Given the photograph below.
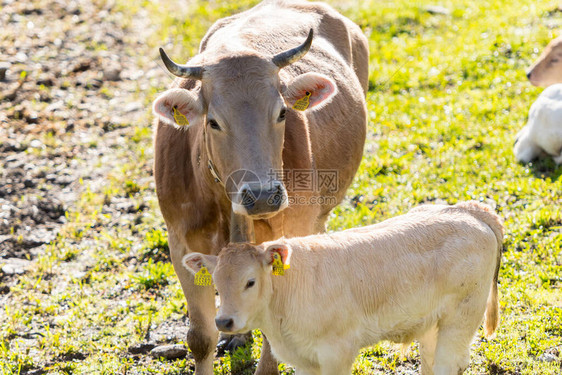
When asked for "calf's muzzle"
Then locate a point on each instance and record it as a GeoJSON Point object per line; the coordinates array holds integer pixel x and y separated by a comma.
{"type": "Point", "coordinates": [224, 324]}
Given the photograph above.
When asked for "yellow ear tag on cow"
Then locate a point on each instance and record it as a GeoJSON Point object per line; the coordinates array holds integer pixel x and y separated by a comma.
{"type": "Point", "coordinates": [203, 277]}
{"type": "Point", "coordinates": [278, 266]}
{"type": "Point", "coordinates": [302, 103]}
{"type": "Point", "coordinates": [180, 118]}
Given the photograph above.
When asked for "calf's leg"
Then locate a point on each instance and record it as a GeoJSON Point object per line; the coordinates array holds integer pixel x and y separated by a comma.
{"type": "Point", "coordinates": [202, 335]}
{"type": "Point", "coordinates": [428, 343]}
{"type": "Point", "coordinates": [456, 331]}
{"type": "Point", "coordinates": [452, 352]}
{"type": "Point", "coordinates": [336, 359]}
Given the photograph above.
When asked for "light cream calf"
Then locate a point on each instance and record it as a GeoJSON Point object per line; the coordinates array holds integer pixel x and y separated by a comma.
{"type": "Point", "coordinates": [543, 132]}
{"type": "Point", "coordinates": [428, 275]}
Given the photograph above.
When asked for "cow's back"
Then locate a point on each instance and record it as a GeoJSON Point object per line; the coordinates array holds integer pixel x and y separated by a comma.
{"type": "Point", "coordinates": [284, 24]}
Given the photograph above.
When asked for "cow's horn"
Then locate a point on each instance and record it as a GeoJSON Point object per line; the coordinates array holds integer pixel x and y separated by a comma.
{"type": "Point", "coordinates": [183, 71]}
{"type": "Point", "coordinates": [288, 57]}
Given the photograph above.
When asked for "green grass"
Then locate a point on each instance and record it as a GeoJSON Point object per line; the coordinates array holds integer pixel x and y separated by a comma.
{"type": "Point", "coordinates": [447, 95]}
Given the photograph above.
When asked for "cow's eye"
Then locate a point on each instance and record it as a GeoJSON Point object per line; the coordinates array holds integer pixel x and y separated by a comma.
{"type": "Point", "coordinates": [250, 283]}
{"type": "Point", "coordinates": [214, 125]}
{"type": "Point", "coordinates": [282, 115]}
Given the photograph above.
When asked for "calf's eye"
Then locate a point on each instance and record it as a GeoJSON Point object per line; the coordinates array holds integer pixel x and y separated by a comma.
{"type": "Point", "coordinates": [250, 283]}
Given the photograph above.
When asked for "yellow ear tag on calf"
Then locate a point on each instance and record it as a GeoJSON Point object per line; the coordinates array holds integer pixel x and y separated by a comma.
{"type": "Point", "coordinates": [302, 103]}
{"type": "Point", "coordinates": [278, 266]}
{"type": "Point", "coordinates": [180, 118]}
{"type": "Point", "coordinates": [203, 277]}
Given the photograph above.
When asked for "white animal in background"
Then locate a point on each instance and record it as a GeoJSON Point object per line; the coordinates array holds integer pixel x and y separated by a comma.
{"type": "Point", "coordinates": [543, 132]}
{"type": "Point", "coordinates": [428, 275]}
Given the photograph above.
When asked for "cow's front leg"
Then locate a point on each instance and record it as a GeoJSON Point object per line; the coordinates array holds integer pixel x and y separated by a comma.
{"type": "Point", "coordinates": [267, 364]}
{"type": "Point", "coordinates": [202, 335]}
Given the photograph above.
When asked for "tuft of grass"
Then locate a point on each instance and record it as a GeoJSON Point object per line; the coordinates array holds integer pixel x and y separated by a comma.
{"type": "Point", "coordinates": [156, 245]}
{"type": "Point", "coordinates": [547, 219]}
{"type": "Point", "coordinates": [154, 275]}
{"type": "Point", "coordinates": [131, 187]}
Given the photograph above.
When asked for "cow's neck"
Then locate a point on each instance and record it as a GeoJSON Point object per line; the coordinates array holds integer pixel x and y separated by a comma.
{"type": "Point", "coordinates": [217, 178]}
{"type": "Point", "coordinates": [211, 181]}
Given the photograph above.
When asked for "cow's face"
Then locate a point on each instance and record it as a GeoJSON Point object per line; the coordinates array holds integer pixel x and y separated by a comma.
{"type": "Point", "coordinates": [242, 275]}
{"type": "Point", "coordinates": [243, 106]}
{"type": "Point", "coordinates": [547, 70]}
{"type": "Point", "coordinates": [245, 121]}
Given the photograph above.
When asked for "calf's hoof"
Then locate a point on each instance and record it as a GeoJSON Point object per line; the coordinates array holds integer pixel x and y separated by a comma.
{"type": "Point", "coordinates": [229, 343]}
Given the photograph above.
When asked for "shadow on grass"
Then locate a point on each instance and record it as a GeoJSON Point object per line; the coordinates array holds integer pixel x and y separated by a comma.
{"type": "Point", "coordinates": [545, 167]}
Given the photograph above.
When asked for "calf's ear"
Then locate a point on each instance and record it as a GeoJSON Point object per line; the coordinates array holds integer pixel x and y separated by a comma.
{"type": "Point", "coordinates": [309, 90]}
{"type": "Point", "coordinates": [194, 261]}
{"type": "Point", "coordinates": [283, 250]}
{"type": "Point", "coordinates": [178, 107]}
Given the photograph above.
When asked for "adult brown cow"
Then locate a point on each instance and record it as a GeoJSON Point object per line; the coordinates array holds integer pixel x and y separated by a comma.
{"type": "Point", "coordinates": [231, 111]}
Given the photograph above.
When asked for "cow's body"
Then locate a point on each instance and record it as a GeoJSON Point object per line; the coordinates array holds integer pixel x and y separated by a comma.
{"type": "Point", "coordinates": [428, 275]}
{"type": "Point", "coordinates": [543, 132]}
{"type": "Point", "coordinates": [236, 49]}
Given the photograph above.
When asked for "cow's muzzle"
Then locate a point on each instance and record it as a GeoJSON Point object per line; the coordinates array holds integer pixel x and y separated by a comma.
{"type": "Point", "coordinates": [261, 201]}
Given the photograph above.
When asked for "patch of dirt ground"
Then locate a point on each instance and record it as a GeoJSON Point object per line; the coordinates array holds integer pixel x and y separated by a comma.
{"type": "Point", "coordinates": [69, 97]}
{"type": "Point", "coordinates": [74, 78]}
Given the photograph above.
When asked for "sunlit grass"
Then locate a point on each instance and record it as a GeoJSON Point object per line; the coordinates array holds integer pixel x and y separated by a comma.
{"type": "Point", "coordinates": [447, 95]}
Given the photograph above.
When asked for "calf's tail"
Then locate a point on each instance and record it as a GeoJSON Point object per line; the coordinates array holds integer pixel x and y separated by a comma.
{"type": "Point", "coordinates": [485, 214]}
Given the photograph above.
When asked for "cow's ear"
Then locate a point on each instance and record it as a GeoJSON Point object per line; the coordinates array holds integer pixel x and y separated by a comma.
{"type": "Point", "coordinates": [283, 250]}
{"type": "Point", "coordinates": [309, 90]}
{"type": "Point", "coordinates": [194, 261]}
{"type": "Point", "coordinates": [178, 107]}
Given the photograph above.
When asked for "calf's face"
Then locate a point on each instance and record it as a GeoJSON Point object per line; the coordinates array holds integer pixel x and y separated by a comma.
{"type": "Point", "coordinates": [242, 276]}
{"type": "Point", "coordinates": [547, 70]}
